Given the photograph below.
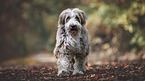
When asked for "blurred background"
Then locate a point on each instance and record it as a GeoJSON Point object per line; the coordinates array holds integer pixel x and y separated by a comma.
{"type": "Point", "coordinates": [28, 29]}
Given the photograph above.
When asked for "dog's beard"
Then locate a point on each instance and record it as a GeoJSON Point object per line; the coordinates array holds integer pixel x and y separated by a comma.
{"type": "Point", "coordinates": [73, 30]}
{"type": "Point", "coordinates": [73, 38]}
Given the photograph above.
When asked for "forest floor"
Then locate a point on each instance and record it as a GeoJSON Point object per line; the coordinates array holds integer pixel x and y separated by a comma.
{"type": "Point", "coordinates": [47, 70]}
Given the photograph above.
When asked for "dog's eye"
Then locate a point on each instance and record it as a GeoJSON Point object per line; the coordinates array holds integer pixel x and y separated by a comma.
{"type": "Point", "coordinates": [77, 18]}
{"type": "Point", "coordinates": [68, 18]}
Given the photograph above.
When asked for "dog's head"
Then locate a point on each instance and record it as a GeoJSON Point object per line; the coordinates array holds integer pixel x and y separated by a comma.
{"type": "Point", "coordinates": [72, 20]}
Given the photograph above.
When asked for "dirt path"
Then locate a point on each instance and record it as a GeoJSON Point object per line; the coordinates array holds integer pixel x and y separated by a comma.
{"type": "Point", "coordinates": [44, 68]}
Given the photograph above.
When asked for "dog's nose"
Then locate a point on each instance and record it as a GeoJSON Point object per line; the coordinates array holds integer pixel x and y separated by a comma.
{"type": "Point", "coordinates": [73, 26]}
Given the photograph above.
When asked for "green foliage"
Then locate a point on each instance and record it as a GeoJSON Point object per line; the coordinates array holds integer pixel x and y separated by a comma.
{"type": "Point", "coordinates": [30, 25]}
{"type": "Point", "coordinates": [127, 15]}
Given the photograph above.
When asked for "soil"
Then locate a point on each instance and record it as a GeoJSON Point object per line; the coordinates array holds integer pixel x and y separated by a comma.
{"type": "Point", "coordinates": [44, 72]}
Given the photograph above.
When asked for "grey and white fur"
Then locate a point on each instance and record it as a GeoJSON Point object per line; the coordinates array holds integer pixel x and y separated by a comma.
{"type": "Point", "coordinates": [72, 42]}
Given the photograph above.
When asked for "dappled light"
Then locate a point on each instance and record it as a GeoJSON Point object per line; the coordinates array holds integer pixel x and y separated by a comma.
{"type": "Point", "coordinates": [28, 31]}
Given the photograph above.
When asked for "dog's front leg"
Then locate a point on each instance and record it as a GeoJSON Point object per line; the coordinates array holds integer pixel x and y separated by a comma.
{"type": "Point", "coordinates": [79, 65]}
{"type": "Point", "coordinates": [63, 64]}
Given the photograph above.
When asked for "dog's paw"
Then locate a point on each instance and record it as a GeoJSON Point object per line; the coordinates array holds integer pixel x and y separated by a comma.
{"type": "Point", "coordinates": [63, 73]}
{"type": "Point", "coordinates": [75, 72]}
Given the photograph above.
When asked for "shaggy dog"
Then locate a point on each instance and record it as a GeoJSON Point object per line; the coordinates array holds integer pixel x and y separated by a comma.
{"type": "Point", "coordinates": [72, 42]}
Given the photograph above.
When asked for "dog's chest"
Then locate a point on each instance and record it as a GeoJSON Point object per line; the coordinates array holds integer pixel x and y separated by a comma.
{"type": "Point", "coordinates": [72, 45]}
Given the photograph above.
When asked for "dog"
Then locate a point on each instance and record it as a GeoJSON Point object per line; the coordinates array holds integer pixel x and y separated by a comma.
{"type": "Point", "coordinates": [72, 42]}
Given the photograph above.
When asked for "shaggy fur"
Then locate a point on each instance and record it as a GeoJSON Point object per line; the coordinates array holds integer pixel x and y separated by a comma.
{"type": "Point", "coordinates": [72, 42]}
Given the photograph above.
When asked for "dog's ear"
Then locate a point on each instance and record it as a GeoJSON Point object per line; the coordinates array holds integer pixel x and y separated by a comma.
{"type": "Point", "coordinates": [82, 18]}
{"type": "Point", "coordinates": [63, 16]}
{"type": "Point", "coordinates": [61, 20]}
{"type": "Point", "coordinates": [81, 15]}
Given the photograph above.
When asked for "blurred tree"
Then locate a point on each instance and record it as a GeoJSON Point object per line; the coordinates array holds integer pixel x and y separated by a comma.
{"type": "Point", "coordinates": [125, 18]}
{"type": "Point", "coordinates": [30, 25]}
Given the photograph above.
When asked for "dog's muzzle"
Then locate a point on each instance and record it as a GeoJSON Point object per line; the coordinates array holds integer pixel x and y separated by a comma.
{"type": "Point", "coordinates": [73, 29]}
